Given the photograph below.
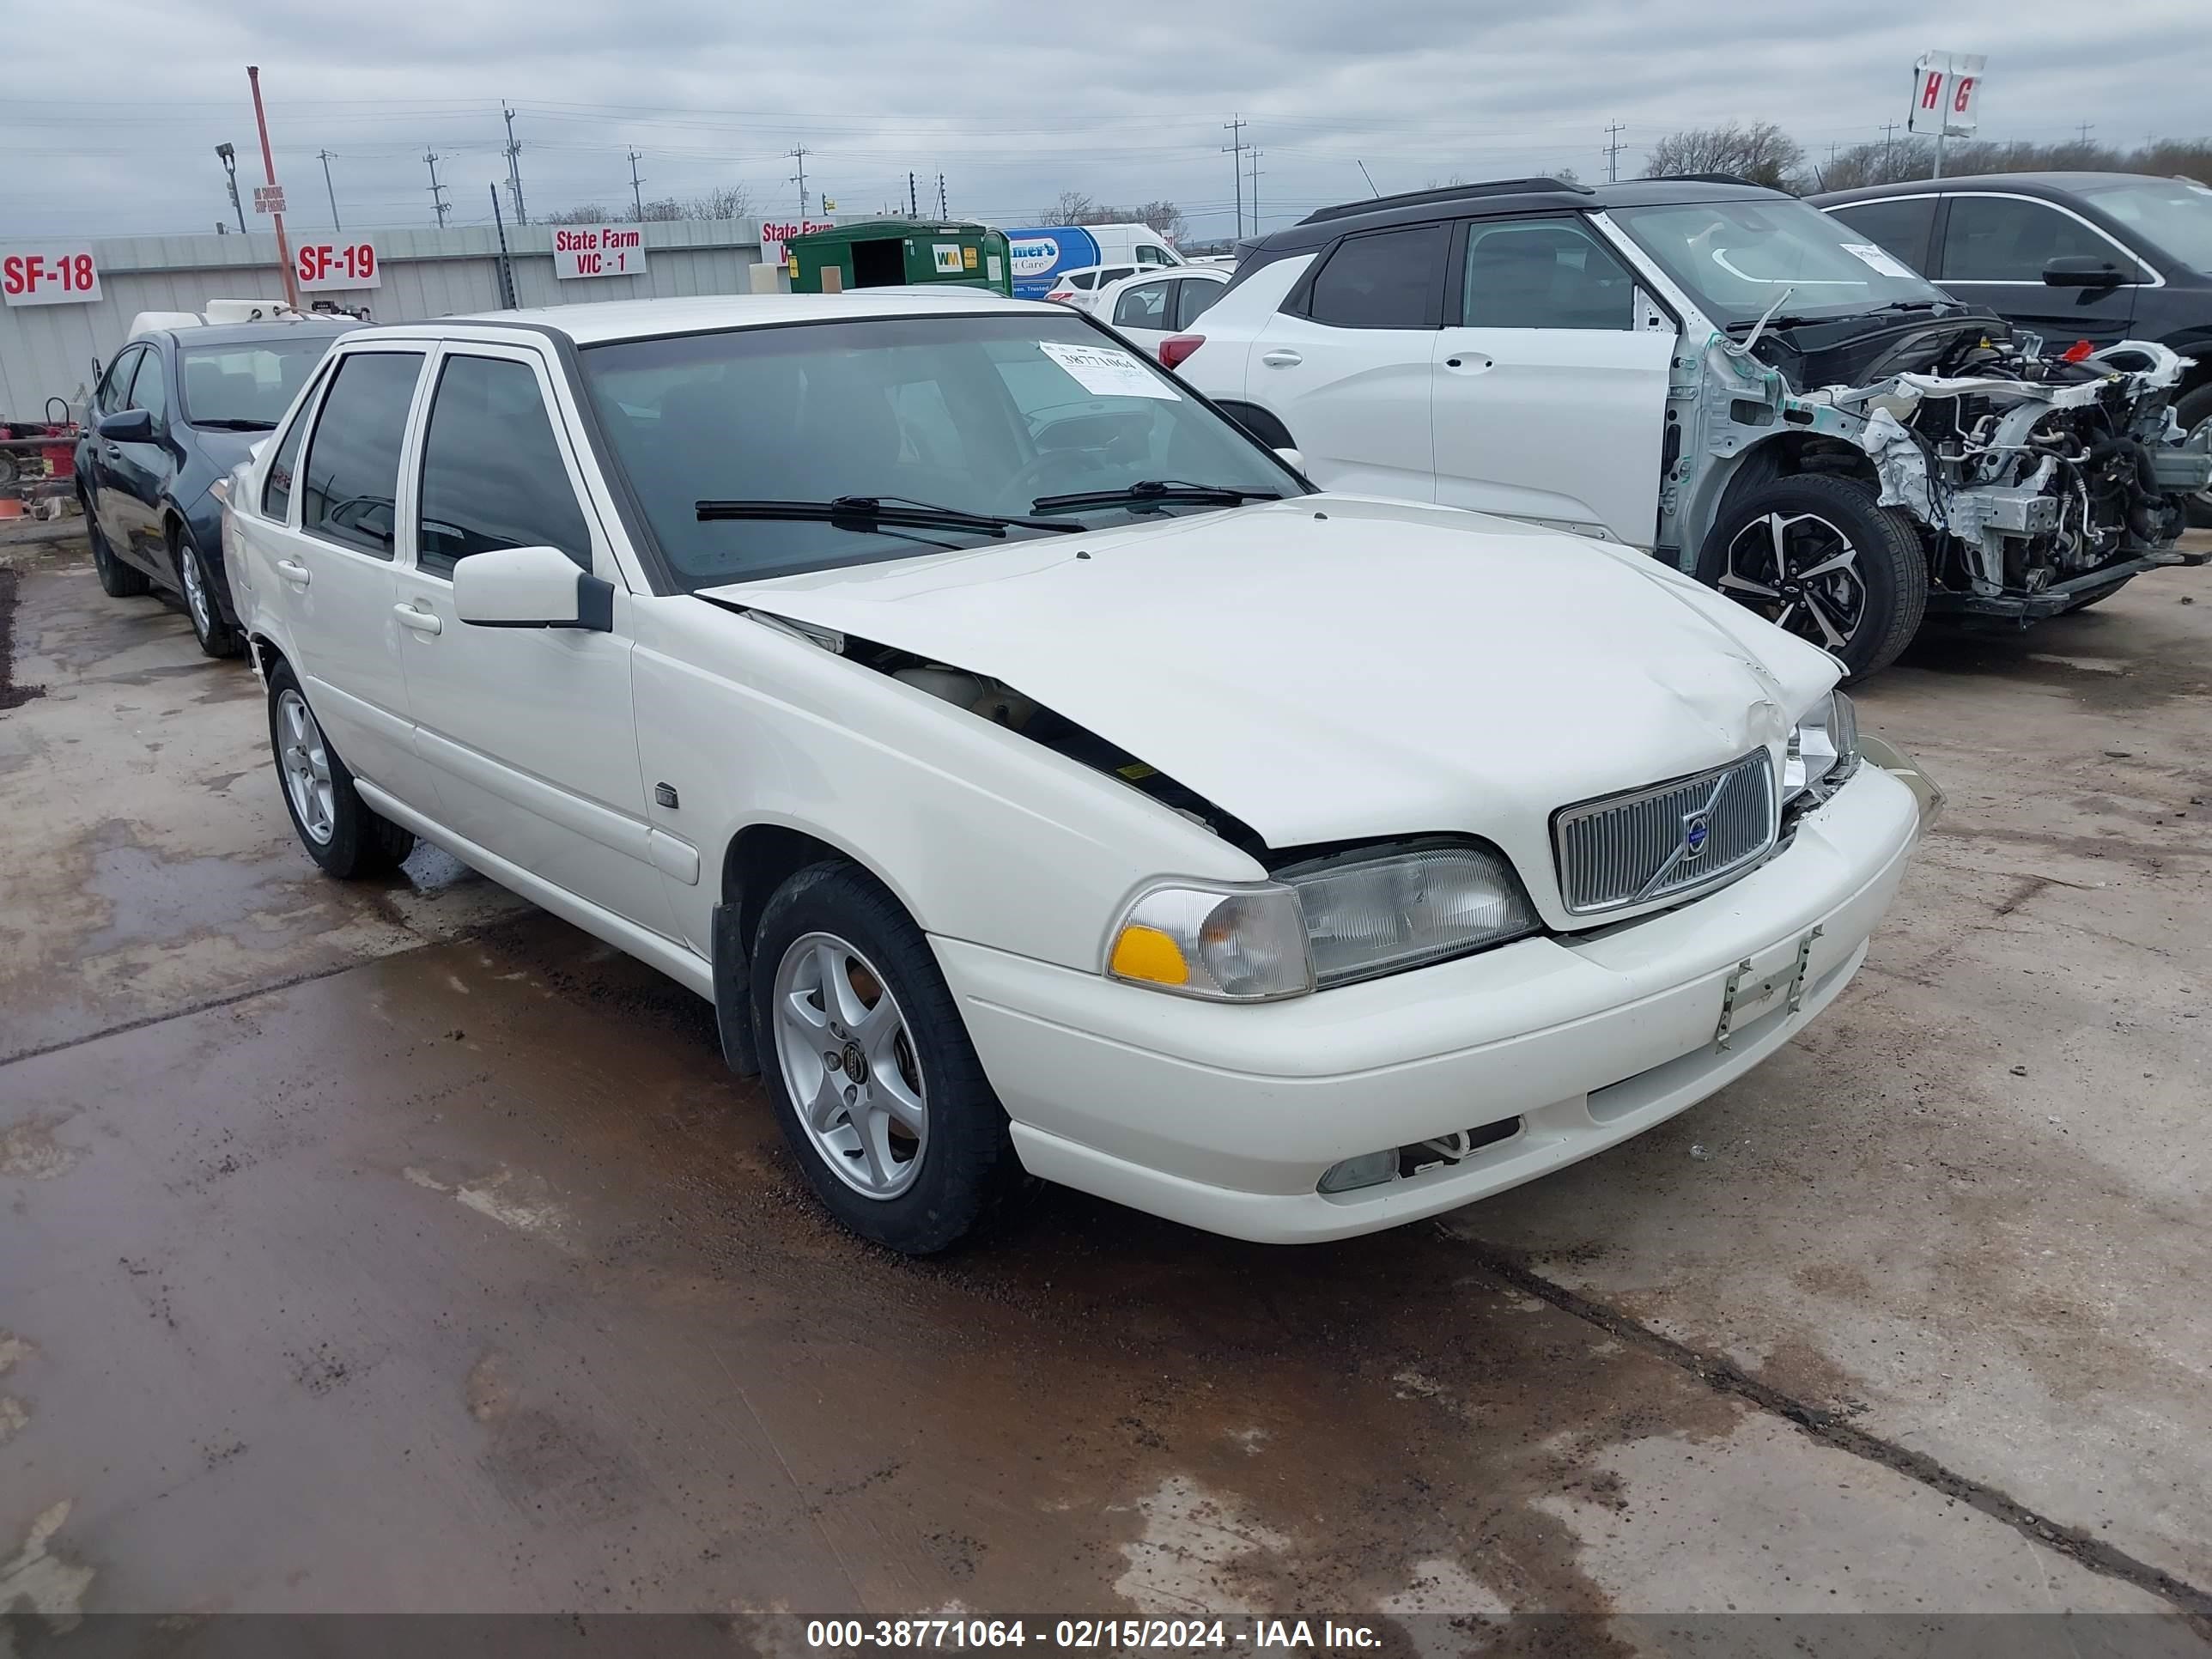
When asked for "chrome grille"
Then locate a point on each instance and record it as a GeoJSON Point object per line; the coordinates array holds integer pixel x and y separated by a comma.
{"type": "Point", "coordinates": [1632, 848]}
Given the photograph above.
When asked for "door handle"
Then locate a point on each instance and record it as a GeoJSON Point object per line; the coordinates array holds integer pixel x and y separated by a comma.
{"type": "Point", "coordinates": [1281, 357]}
{"type": "Point", "coordinates": [292, 571]}
{"type": "Point", "coordinates": [1468, 362]}
{"type": "Point", "coordinates": [112, 452]}
{"type": "Point", "coordinates": [423, 621]}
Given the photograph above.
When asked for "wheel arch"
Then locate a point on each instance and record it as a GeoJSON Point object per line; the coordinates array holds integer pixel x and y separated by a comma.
{"type": "Point", "coordinates": [1785, 454]}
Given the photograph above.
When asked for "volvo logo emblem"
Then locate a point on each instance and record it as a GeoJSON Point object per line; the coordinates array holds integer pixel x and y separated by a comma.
{"type": "Point", "coordinates": [1696, 830]}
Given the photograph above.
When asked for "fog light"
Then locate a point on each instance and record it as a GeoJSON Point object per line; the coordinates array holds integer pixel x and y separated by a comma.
{"type": "Point", "coordinates": [1368, 1169]}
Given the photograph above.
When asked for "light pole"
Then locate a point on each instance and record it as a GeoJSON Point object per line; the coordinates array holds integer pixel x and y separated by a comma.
{"type": "Point", "coordinates": [229, 159]}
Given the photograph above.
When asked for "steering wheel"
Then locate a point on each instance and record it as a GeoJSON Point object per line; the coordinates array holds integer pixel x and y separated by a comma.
{"type": "Point", "coordinates": [1066, 465]}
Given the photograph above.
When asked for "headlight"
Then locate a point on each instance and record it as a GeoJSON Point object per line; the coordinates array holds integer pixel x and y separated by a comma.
{"type": "Point", "coordinates": [1233, 945]}
{"type": "Point", "coordinates": [1383, 909]}
{"type": "Point", "coordinates": [1823, 749]}
{"type": "Point", "coordinates": [1328, 921]}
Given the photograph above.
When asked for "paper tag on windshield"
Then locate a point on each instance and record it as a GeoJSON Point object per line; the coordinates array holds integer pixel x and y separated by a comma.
{"type": "Point", "coordinates": [1880, 258]}
{"type": "Point", "coordinates": [1106, 371]}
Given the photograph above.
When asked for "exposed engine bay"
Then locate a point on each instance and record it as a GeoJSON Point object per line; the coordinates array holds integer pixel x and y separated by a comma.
{"type": "Point", "coordinates": [2033, 480]}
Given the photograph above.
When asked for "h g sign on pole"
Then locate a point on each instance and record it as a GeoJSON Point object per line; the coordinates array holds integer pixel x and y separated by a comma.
{"type": "Point", "coordinates": [1945, 96]}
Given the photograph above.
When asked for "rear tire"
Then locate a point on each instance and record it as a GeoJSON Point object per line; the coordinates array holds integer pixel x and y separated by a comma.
{"type": "Point", "coordinates": [117, 580]}
{"type": "Point", "coordinates": [1820, 556]}
{"type": "Point", "coordinates": [2193, 411]}
{"type": "Point", "coordinates": [333, 823]}
{"type": "Point", "coordinates": [873, 1078]}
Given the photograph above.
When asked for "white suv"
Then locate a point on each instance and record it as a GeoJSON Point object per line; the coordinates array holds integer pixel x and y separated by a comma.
{"type": "Point", "coordinates": [1034, 772]}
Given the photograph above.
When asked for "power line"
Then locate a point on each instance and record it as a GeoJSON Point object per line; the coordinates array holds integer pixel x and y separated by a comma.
{"type": "Point", "coordinates": [1255, 154]}
{"type": "Point", "coordinates": [1235, 128]}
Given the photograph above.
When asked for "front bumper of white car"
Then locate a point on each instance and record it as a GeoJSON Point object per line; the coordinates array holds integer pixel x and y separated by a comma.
{"type": "Point", "coordinates": [1228, 1117]}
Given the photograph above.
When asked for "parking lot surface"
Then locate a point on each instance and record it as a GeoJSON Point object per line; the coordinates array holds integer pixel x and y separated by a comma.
{"type": "Point", "coordinates": [400, 1246]}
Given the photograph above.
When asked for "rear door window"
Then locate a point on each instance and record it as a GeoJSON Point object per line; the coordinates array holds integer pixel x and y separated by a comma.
{"type": "Point", "coordinates": [1384, 279]}
{"type": "Point", "coordinates": [351, 495]}
{"type": "Point", "coordinates": [149, 387]}
{"type": "Point", "coordinates": [493, 473]}
{"type": "Point", "coordinates": [1144, 305]}
{"type": "Point", "coordinates": [117, 385]}
{"type": "Point", "coordinates": [1193, 295]}
{"type": "Point", "coordinates": [277, 487]}
{"type": "Point", "coordinates": [1899, 225]}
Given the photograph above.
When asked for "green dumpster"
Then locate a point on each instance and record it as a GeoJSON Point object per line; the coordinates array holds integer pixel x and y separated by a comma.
{"type": "Point", "coordinates": [899, 253]}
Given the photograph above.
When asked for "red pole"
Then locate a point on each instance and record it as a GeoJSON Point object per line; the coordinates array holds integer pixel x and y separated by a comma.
{"type": "Point", "coordinates": [269, 166]}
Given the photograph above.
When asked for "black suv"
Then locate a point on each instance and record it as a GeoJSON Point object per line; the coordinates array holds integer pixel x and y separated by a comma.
{"type": "Point", "coordinates": [2069, 256]}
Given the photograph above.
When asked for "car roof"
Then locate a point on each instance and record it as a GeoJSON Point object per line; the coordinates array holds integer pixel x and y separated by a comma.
{"type": "Point", "coordinates": [1505, 196]}
{"type": "Point", "coordinates": [223, 334]}
{"type": "Point", "coordinates": [1154, 273]}
{"type": "Point", "coordinates": [600, 320]}
{"type": "Point", "coordinates": [2024, 184]}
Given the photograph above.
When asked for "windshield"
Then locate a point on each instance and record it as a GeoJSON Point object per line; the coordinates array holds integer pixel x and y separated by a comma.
{"type": "Point", "coordinates": [247, 387]}
{"type": "Point", "coordinates": [1738, 258]}
{"type": "Point", "coordinates": [985, 415]}
{"type": "Point", "coordinates": [2176, 214]}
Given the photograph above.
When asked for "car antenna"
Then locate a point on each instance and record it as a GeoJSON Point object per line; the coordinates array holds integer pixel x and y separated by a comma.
{"type": "Point", "coordinates": [1371, 190]}
{"type": "Point", "coordinates": [1759, 327]}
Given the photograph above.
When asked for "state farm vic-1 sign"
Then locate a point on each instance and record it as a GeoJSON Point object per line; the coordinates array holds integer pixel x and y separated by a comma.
{"type": "Point", "coordinates": [598, 251]}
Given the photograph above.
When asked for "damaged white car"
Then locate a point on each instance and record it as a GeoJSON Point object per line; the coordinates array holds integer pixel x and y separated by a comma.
{"type": "Point", "coordinates": [1716, 373]}
{"type": "Point", "coordinates": [1035, 773]}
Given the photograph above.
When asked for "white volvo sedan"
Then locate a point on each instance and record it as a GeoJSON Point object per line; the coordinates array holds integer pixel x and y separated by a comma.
{"type": "Point", "coordinates": [1037, 774]}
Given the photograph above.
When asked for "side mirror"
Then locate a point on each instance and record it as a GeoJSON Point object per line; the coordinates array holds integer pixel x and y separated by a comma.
{"type": "Point", "coordinates": [1292, 459]}
{"type": "Point", "coordinates": [2087, 270]}
{"type": "Point", "coordinates": [127, 426]}
{"type": "Point", "coordinates": [530, 587]}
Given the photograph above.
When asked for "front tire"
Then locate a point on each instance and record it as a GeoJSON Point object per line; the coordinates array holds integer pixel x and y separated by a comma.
{"type": "Point", "coordinates": [334, 824]}
{"type": "Point", "coordinates": [1818, 555]}
{"type": "Point", "coordinates": [217, 638]}
{"type": "Point", "coordinates": [872, 1073]}
{"type": "Point", "coordinates": [2195, 411]}
{"type": "Point", "coordinates": [117, 580]}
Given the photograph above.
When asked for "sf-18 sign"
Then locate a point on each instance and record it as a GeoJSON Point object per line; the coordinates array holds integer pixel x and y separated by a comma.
{"type": "Point", "coordinates": [51, 274]}
{"type": "Point", "coordinates": [1946, 86]}
{"type": "Point", "coordinates": [337, 264]}
{"type": "Point", "coordinates": [598, 251]}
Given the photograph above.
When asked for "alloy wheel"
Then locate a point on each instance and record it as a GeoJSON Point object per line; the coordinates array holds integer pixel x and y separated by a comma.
{"type": "Point", "coordinates": [305, 760]}
{"type": "Point", "coordinates": [850, 1066]}
{"type": "Point", "coordinates": [196, 593]}
{"type": "Point", "coordinates": [1800, 572]}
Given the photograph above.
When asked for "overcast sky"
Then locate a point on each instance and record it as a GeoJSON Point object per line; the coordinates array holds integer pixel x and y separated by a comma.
{"type": "Point", "coordinates": [110, 118]}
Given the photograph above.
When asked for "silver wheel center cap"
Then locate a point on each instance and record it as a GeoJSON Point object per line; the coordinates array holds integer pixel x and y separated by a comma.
{"type": "Point", "coordinates": [855, 1063]}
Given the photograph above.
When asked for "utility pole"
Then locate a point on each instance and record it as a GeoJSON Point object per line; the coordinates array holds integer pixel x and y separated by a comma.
{"type": "Point", "coordinates": [2086, 128]}
{"type": "Point", "coordinates": [798, 154]}
{"type": "Point", "coordinates": [330, 190]}
{"type": "Point", "coordinates": [636, 196]}
{"type": "Point", "coordinates": [1255, 154]}
{"type": "Point", "coordinates": [943, 212]}
{"type": "Point", "coordinates": [437, 190]}
{"type": "Point", "coordinates": [1888, 149]}
{"type": "Point", "coordinates": [269, 168]}
{"type": "Point", "coordinates": [912, 207]}
{"type": "Point", "coordinates": [1612, 154]}
{"type": "Point", "coordinates": [1235, 128]}
{"type": "Point", "coordinates": [513, 166]}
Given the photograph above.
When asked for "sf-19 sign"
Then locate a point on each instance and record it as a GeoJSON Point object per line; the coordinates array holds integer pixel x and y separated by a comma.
{"type": "Point", "coordinates": [337, 264]}
{"type": "Point", "coordinates": [598, 251]}
{"type": "Point", "coordinates": [57, 274]}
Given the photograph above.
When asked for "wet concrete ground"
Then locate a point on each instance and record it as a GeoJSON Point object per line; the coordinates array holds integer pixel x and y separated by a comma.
{"type": "Point", "coordinates": [403, 1247]}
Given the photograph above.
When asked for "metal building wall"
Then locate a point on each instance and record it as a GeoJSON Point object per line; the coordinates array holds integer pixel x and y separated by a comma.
{"type": "Point", "coordinates": [49, 350]}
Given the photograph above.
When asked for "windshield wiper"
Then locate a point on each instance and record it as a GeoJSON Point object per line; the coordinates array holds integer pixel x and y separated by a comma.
{"type": "Point", "coordinates": [865, 511]}
{"type": "Point", "coordinates": [239, 426]}
{"type": "Point", "coordinates": [1154, 492]}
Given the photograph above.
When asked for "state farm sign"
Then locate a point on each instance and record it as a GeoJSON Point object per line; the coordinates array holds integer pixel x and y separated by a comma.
{"type": "Point", "coordinates": [598, 251]}
{"type": "Point", "coordinates": [774, 235]}
{"type": "Point", "coordinates": [337, 264]}
{"type": "Point", "coordinates": [49, 274]}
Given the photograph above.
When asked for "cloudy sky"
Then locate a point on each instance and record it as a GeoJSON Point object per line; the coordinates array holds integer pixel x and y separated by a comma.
{"type": "Point", "coordinates": [110, 121]}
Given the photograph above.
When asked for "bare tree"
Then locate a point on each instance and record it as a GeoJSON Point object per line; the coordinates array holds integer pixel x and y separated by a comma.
{"type": "Point", "coordinates": [1072, 207]}
{"type": "Point", "coordinates": [591, 213]}
{"type": "Point", "coordinates": [723, 201]}
{"type": "Point", "coordinates": [1894, 161]}
{"type": "Point", "coordinates": [1760, 153]}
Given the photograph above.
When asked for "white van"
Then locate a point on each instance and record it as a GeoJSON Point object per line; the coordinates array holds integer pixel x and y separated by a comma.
{"type": "Point", "coordinates": [1042, 255]}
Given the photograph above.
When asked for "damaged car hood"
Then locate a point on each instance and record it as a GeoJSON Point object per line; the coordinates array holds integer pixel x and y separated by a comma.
{"type": "Point", "coordinates": [1330, 667]}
